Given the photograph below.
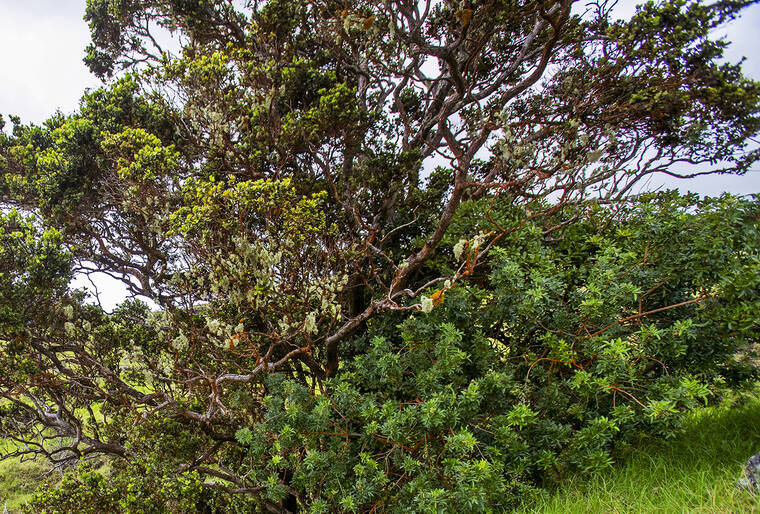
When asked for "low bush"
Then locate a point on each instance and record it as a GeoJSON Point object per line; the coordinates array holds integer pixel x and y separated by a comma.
{"type": "Point", "coordinates": [532, 370]}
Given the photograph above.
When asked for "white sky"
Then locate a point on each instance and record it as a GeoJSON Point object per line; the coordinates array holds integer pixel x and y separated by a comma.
{"type": "Point", "coordinates": [41, 49]}
{"type": "Point", "coordinates": [42, 45]}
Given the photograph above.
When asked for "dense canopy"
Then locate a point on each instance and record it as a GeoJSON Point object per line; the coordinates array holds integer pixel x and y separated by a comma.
{"type": "Point", "coordinates": [390, 251]}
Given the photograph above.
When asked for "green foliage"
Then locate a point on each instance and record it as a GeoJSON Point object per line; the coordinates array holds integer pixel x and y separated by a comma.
{"type": "Point", "coordinates": [89, 490]}
{"type": "Point", "coordinates": [332, 326]}
{"type": "Point", "coordinates": [464, 408]}
{"type": "Point", "coordinates": [34, 273]}
{"type": "Point", "coordinates": [514, 382]}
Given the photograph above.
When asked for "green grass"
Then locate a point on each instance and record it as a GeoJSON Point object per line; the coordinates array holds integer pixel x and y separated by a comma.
{"type": "Point", "coordinates": [694, 472]}
{"type": "Point", "coordinates": [19, 480]}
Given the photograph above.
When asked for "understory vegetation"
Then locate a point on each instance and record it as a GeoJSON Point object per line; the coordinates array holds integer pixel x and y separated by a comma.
{"type": "Point", "coordinates": [695, 471]}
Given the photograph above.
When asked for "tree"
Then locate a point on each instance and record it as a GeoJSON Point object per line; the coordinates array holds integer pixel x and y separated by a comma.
{"type": "Point", "coordinates": [381, 239]}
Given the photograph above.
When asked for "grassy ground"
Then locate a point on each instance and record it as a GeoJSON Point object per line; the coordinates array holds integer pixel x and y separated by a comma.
{"type": "Point", "coordinates": [695, 472]}
{"type": "Point", "coordinates": [19, 481]}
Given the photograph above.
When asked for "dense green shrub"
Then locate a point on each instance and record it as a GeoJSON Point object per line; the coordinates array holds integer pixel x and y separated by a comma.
{"type": "Point", "coordinates": [532, 369]}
